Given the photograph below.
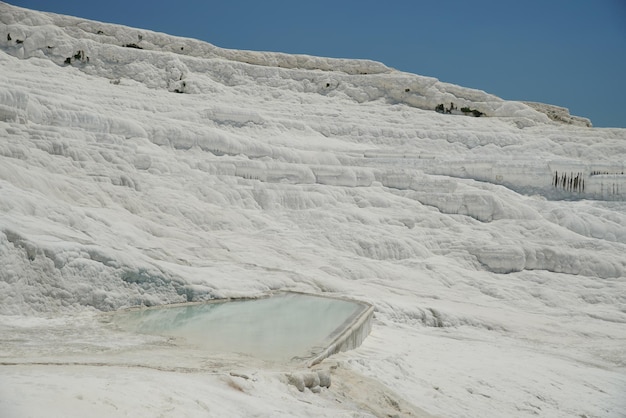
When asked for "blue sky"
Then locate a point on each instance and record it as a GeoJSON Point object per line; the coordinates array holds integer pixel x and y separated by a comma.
{"type": "Point", "coordinates": [571, 53]}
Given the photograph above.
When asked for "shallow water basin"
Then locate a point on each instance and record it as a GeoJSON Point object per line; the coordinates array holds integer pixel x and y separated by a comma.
{"type": "Point", "coordinates": [284, 327]}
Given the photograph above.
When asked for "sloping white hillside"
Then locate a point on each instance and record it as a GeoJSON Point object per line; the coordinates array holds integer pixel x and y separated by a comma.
{"type": "Point", "coordinates": [137, 168]}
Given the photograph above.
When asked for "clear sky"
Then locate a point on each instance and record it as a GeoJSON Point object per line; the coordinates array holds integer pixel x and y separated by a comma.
{"type": "Point", "coordinates": [570, 53]}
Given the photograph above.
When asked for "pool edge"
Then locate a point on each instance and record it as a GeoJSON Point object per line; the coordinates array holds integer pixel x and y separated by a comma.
{"type": "Point", "coordinates": [352, 336]}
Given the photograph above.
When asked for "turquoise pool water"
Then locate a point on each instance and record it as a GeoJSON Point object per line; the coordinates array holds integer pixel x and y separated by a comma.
{"type": "Point", "coordinates": [282, 327]}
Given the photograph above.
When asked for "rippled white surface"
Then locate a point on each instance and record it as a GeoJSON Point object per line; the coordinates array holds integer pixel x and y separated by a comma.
{"type": "Point", "coordinates": [499, 284]}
